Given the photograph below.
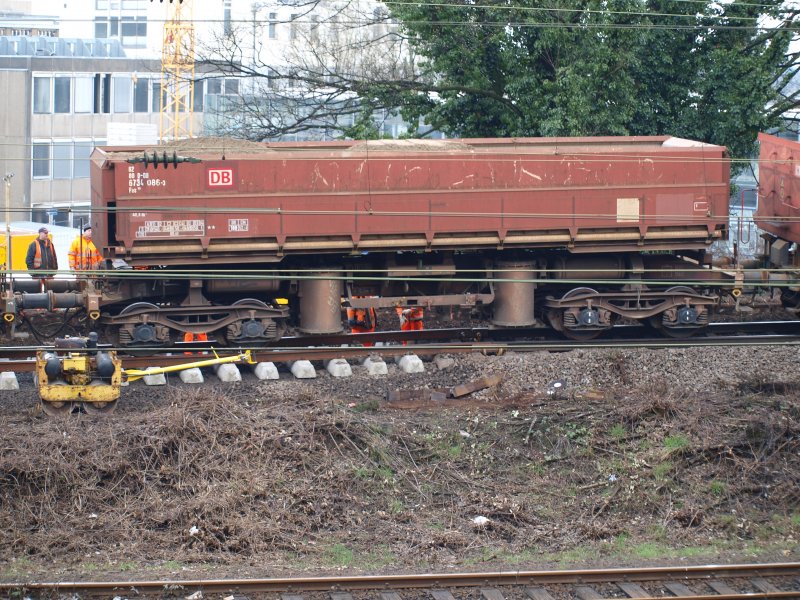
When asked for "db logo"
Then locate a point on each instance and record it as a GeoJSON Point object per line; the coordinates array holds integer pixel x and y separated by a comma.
{"type": "Point", "coordinates": [220, 177]}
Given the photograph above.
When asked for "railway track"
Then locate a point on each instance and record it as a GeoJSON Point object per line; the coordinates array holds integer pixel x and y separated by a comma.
{"type": "Point", "coordinates": [432, 341]}
{"type": "Point", "coordinates": [777, 580]}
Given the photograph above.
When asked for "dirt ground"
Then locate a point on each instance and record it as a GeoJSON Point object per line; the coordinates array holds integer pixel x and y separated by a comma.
{"type": "Point", "coordinates": [638, 457]}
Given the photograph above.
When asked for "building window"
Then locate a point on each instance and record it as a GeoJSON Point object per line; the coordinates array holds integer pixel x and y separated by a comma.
{"type": "Point", "coordinates": [80, 166]}
{"type": "Point", "coordinates": [293, 28]}
{"type": "Point", "coordinates": [214, 86]}
{"type": "Point", "coordinates": [62, 160]}
{"type": "Point", "coordinates": [133, 31]}
{"type": "Point", "coordinates": [231, 87]}
{"type": "Point", "coordinates": [199, 87]}
{"type": "Point", "coordinates": [156, 96]}
{"type": "Point", "coordinates": [100, 29]}
{"type": "Point", "coordinates": [84, 94]}
{"type": "Point", "coordinates": [141, 89]}
{"type": "Point", "coordinates": [61, 94]}
{"type": "Point", "coordinates": [41, 161]}
{"type": "Point", "coordinates": [102, 93]}
{"type": "Point", "coordinates": [41, 95]}
{"type": "Point", "coordinates": [101, 4]}
{"type": "Point", "coordinates": [273, 26]}
{"type": "Point", "coordinates": [131, 4]}
{"type": "Point", "coordinates": [220, 86]}
{"type": "Point", "coordinates": [226, 17]}
{"type": "Point", "coordinates": [122, 94]}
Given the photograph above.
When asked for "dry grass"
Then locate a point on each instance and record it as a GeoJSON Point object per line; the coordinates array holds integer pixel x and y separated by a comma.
{"type": "Point", "coordinates": [208, 477]}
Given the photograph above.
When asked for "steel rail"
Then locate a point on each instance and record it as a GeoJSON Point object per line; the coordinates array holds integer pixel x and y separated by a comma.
{"type": "Point", "coordinates": [330, 347]}
{"type": "Point", "coordinates": [467, 334]}
{"type": "Point", "coordinates": [432, 580]}
{"type": "Point", "coordinates": [355, 352]}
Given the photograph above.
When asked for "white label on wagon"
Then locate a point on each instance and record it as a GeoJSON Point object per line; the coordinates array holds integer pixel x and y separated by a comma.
{"type": "Point", "coordinates": [178, 227]}
{"type": "Point", "coordinates": [238, 225]}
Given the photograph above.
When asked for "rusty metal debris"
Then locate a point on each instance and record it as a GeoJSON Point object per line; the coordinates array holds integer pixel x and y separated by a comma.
{"type": "Point", "coordinates": [439, 394]}
{"type": "Point", "coordinates": [473, 386]}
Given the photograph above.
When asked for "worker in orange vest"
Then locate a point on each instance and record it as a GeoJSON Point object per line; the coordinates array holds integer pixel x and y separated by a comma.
{"type": "Point", "coordinates": [194, 337]}
{"type": "Point", "coordinates": [410, 318]}
{"type": "Point", "coordinates": [83, 255]}
{"type": "Point", "coordinates": [41, 259]}
{"type": "Point", "coordinates": [362, 320]}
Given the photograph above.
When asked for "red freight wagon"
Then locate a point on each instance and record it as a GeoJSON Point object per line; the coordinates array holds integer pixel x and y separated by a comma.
{"type": "Point", "coordinates": [778, 212]}
{"type": "Point", "coordinates": [585, 194]}
{"type": "Point", "coordinates": [779, 187]}
{"type": "Point", "coordinates": [580, 232]}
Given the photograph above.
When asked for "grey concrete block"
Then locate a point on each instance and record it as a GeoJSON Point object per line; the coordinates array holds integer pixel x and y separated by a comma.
{"type": "Point", "coordinates": [228, 373]}
{"type": "Point", "coordinates": [375, 366]}
{"type": "Point", "coordinates": [303, 369]}
{"type": "Point", "coordinates": [194, 375]}
{"type": "Point", "coordinates": [8, 381]}
{"type": "Point", "coordinates": [410, 363]}
{"type": "Point", "coordinates": [339, 367]}
{"type": "Point", "coordinates": [159, 379]}
{"type": "Point", "coordinates": [266, 370]}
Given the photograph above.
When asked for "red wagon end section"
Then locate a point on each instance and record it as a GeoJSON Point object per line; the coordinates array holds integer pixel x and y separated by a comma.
{"type": "Point", "coordinates": [779, 188]}
{"type": "Point", "coordinates": [613, 194]}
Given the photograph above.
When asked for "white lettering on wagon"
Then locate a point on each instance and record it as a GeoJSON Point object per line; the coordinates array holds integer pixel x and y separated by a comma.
{"type": "Point", "coordinates": [238, 225]}
{"type": "Point", "coordinates": [138, 181]}
{"type": "Point", "coordinates": [171, 228]}
{"type": "Point", "coordinates": [220, 178]}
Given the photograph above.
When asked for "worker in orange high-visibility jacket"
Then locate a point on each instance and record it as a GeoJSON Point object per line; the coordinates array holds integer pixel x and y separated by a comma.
{"type": "Point", "coordinates": [410, 318]}
{"type": "Point", "coordinates": [83, 255]}
{"type": "Point", "coordinates": [361, 320]}
{"type": "Point", "coordinates": [41, 259]}
{"type": "Point", "coordinates": [194, 337]}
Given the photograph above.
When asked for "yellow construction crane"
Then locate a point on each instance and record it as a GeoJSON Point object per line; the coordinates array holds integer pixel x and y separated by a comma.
{"type": "Point", "coordinates": [177, 72]}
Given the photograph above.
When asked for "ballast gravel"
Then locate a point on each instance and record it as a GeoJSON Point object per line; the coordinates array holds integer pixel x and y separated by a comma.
{"type": "Point", "coordinates": [580, 371]}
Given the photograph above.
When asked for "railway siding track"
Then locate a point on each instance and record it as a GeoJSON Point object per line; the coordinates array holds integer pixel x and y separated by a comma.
{"type": "Point", "coordinates": [776, 580]}
{"type": "Point", "coordinates": [323, 348]}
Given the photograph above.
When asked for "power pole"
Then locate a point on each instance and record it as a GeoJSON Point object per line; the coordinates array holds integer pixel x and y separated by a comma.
{"type": "Point", "coordinates": [7, 187]}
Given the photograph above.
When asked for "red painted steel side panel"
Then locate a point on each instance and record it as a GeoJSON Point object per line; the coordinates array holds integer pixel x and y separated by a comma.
{"type": "Point", "coordinates": [779, 187]}
{"type": "Point", "coordinates": [340, 191]}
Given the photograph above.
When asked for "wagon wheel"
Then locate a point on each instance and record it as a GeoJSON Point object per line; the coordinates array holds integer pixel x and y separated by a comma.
{"type": "Point", "coordinates": [99, 408]}
{"type": "Point", "coordinates": [146, 331]}
{"type": "Point", "coordinates": [258, 328]}
{"type": "Point", "coordinates": [677, 331]}
{"type": "Point", "coordinates": [57, 409]}
{"type": "Point", "coordinates": [138, 306]}
{"type": "Point", "coordinates": [52, 408]}
{"type": "Point", "coordinates": [558, 317]}
{"type": "Point", "coordinates": [252, 302]}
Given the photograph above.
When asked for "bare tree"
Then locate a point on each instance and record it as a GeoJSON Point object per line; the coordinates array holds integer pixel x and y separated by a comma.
{"type": "Point", "coordinates": [332, 70]}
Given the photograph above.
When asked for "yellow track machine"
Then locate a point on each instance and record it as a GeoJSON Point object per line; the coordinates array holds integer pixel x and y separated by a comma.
{"type": "Point", "coordinates": [79, 375]}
